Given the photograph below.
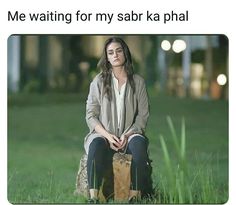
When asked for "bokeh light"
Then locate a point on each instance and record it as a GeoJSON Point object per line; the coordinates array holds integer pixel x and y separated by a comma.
{"type": "Point", "coordinates": [165, 45]}
{"type": "Point", "coordinates": [221, 79]}
{"type": "Point", "coordinates": [178, 46]}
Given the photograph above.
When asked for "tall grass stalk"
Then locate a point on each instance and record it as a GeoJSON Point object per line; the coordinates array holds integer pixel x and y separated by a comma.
{"type": "Point", "coordinates": [177, 174]}
{"type": "Point", "coordinates": [180, 184]}
{"type": "Point", "coordinates": [169, 168]}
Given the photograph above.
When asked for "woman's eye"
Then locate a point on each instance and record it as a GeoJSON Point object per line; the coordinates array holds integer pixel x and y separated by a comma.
{"type": "Point", "coordinates": [110, 53]}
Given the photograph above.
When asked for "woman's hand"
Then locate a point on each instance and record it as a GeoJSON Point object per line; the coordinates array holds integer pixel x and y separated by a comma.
{"type": "Point", "coordinates": [123, 141]}
{"type": "Point", "coordinates": [114, 141]}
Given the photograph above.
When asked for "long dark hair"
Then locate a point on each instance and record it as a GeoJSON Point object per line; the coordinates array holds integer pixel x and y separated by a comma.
{"type": "Point", "coordinates": [106, 67]}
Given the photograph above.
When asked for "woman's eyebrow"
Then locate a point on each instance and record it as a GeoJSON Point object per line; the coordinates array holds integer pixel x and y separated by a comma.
{"type": "Point", "coordinates": [114, 49]}
{"type": "Point", "coordinates": [118, 48]}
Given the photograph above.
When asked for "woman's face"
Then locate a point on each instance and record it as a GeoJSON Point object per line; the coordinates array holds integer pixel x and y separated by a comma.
{"type": "Point", "coordinates": [115, 54]}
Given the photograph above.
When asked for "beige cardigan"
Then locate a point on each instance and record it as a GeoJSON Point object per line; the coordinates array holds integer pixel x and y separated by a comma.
{"type": "Point", "coordinates": [99, 110]}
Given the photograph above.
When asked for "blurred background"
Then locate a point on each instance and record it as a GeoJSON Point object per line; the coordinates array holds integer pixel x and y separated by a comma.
{"type": "Point", "coordinates": [193, 66]}
{"type": "Point", "coordinates": [48, 81]}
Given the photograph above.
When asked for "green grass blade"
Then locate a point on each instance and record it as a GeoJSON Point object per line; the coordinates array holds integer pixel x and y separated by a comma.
{"type": "Point", "coordinates": [173, 134]}
{"type": "Point", "coordinates": [183, 140]}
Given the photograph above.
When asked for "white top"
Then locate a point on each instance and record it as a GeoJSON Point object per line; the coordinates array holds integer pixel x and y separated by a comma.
{"type": "Point", "coordinates": [119, 94]}
{"type": "Point", "coordinates": [119, 97]}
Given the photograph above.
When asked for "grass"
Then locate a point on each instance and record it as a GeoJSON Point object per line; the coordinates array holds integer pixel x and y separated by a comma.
{"type": "Point", "coordinates": [181, 184]}
{"type": "Point", "coordinates": [45, 143]}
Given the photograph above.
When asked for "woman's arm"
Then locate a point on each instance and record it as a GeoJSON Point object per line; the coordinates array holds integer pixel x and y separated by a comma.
{"type": "Point", "coordinates": [141, 118]}
{"type": "Point", "coordinates": [92, 114]}
{"type": "Point", "coordinates": [93, 105]}
{"type": "Point", "coordinates": [142, 115]}
{"type": "Point", "coordinates": [113, 140]}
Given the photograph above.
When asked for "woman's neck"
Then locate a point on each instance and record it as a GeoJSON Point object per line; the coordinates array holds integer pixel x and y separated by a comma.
{"type": "Point", "coordinates": [119, 72]}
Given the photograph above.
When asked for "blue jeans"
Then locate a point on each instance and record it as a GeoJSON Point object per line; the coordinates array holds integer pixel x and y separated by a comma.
{"type": "Point", "coordinates": [100, 154]}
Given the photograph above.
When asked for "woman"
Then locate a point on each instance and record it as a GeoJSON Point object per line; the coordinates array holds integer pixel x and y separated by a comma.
{"type": "Point", "coordinates": [117, 111]}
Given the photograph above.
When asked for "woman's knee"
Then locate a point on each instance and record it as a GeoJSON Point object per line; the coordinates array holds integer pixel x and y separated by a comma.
{"type": "Point", "coordinates": [98, 144]}
{"type": "Point", "coordinates": [138, 148]}
{"type": "Point", "coordinates": [137, 143]}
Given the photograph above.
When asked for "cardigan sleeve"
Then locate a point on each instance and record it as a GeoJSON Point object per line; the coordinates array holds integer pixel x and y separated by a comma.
{"type": "Point", "coordinates": [141, 118]}
{"type": "Point", "coordinates": [93, 105]}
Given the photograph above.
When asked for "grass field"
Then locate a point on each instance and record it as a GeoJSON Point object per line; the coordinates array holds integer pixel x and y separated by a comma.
{"type": "Point", "coordinates": [45, 143]}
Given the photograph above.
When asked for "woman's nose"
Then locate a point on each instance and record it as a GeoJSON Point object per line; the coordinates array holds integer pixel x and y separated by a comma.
{"type": "Point", "coordinates": [115, 54]}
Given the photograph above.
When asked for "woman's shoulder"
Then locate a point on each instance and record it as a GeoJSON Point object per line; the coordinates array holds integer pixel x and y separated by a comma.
{"type": "Point", "coordinates": [138, 78]}
{"type": "Point", "coordinates": [97, 79]}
